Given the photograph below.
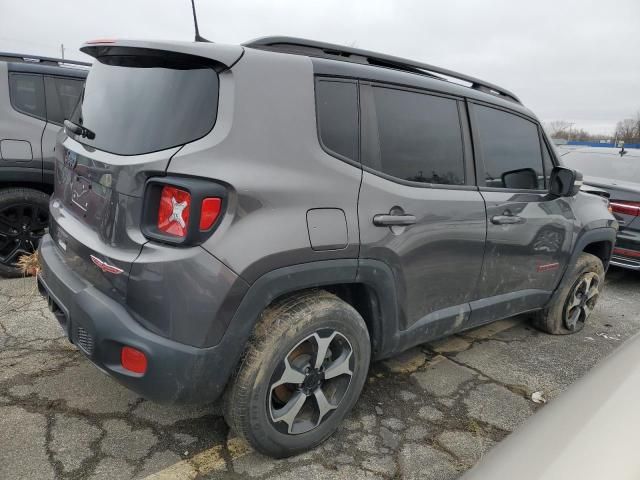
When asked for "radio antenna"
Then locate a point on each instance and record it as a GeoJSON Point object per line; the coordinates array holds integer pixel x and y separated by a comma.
{"type": "Point", "coordinates": [195, 23]}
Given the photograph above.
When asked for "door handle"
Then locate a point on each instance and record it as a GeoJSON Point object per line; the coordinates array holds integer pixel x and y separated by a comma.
{"type": "Point", "coordinates": [387, 220]}
{"type": "Point", "coordinates": [506, 219]}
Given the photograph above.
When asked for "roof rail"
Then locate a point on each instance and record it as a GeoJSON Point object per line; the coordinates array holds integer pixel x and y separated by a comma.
{"type": "Point", "coordinates": [43, 60]}
{"type": "Point", "coordinates": [313, 48]}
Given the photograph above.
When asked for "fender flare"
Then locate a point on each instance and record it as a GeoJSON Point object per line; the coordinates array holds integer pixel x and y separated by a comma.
{"type": "Point", "coordinates": [374, 274]}
{"type": "Point", "coordinates": [603, 234]}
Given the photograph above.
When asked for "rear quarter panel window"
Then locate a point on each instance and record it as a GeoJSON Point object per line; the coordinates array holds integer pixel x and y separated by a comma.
{"type": "Point", "coordinates": [62, 96]}
{"type": "Point", "coordinates": [27, 94]}
{"type": "Point", "coordinates": [337, 116]}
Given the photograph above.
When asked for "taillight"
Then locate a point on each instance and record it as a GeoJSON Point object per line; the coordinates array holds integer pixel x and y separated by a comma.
{"type": "Point", "coordinates": [209, 212]}
{"type": "Point", "coordinates": [174, 211]}
{"type": "Point", "coordinates": [626, 208]}
{"type": "Point", "coordinates": [182, 211]}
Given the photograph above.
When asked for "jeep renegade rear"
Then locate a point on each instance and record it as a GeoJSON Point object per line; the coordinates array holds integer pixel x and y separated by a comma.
{"type": "Point", "coordinates": [306, 208]}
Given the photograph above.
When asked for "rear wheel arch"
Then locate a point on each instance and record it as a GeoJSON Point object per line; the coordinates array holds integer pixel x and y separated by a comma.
{"type": "Point", "coordinates": [601, 249]}
{"type": "Point", "coordinates": [367, 285]}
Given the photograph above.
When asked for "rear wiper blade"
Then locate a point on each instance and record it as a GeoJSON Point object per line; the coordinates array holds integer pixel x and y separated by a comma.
{"type": "Point", "coordinates": [79, 130]}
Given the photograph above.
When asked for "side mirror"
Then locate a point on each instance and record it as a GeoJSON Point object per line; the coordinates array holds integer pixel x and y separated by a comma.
{"type": "Point", "coordinates": [564, 182]}
{"type": "Point", "coordinates": [524, 178]}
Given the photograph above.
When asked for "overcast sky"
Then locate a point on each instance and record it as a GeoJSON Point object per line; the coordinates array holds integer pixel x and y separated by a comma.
{"type": "Point", "coordinates": [567, 60]}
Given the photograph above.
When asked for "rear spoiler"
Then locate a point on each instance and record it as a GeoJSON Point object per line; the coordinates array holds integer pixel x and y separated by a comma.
{"type": "Point", "coordinates": [226, 55]}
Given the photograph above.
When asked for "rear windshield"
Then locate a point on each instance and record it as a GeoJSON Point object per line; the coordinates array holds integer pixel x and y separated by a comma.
{"type": "Point", "coordinates": [147, 107]}
{"type": "Point", "coordinates": [611, 166]}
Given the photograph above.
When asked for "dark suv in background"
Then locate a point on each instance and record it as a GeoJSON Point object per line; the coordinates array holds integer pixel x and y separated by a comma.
{"type": "Point", "coordinates": [36, 95]}
{"type": "Point", "coordinates": [617, 172]}
{"type": "Point", "coordinates": [268, 218]}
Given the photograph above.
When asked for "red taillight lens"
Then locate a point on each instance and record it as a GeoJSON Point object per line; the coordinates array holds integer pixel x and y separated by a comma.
{"type": "Point", "coordinates": [626, 208]}
{"type": "Point", "coordinates": [174, 210]}
{"type": "Point", "coordinates": [133, 360]}
{"type": "Point", "coordinates": [209, 213]}
{"type": "Point", "coordinates": [625, 252]}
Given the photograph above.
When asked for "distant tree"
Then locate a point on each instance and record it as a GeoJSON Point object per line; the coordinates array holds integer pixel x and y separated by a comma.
{"type": "Point", "coordinates": [558, 128]}
{"type": "Point", "coordinates": [627, 130]}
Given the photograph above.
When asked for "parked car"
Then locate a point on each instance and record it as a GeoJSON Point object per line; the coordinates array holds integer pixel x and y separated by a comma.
{"type": "Point", "coordinates": [617, 171]}
{"type": "Point", "coordinates": [593, 430]}
{"type": "Point", "coordinates": [304, 207]}
{"type": "Point", "coordinates": [36, 95]}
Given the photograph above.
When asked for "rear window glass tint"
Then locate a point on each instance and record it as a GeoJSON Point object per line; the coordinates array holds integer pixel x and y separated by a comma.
{"type": "Point", "coordinates": [141, 109]}
{"type": "Point", "coordinates": [27, 94]}
{"type": "Point", "coordinates": [510, 147]}
{"type": "Point", "coordinates": [337, 110]}
{"type": "Point", "coordinates": [62, 97]}
{"type": "Point", "coordinates": [419, 136]}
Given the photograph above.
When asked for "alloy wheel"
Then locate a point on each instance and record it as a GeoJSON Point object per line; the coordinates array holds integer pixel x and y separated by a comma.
{"type": "Point", "coordinates": [582, 300]}
{"type": "Point", "coordinates": [22, 225]}
{"type": "Point", "coordinates": [310, 382]}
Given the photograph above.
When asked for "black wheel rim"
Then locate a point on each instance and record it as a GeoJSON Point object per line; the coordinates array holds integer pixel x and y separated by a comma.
{"type": "Point", "coordinates": [22, 225]}
{"type": "Point", "coordinates": [582, 300]}
{"type": "Point", "coordinates": [310, 382]}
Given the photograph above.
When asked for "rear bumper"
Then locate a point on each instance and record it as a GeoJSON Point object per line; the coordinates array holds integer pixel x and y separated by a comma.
{"type": "Point", "coordinates": [99, 326]}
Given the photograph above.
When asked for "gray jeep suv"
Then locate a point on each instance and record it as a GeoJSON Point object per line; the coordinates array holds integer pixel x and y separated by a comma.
{"type": "Point", "coordinates": [36, 95]}
{"type": "Point", "coordinates": [264, 220]}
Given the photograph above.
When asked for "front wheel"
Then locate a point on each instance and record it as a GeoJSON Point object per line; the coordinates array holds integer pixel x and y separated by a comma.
{"type": "Point", "coordinates": [24, 218]}
{"type": "Point", "coordinates": [302, 373]}
{"type": "Point", "coordinates": [574, 301]}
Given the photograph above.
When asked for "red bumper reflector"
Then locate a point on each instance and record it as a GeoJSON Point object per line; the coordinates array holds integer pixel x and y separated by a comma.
{"type": "Point", "coordinates": [133, 360]}
{"type": "Point", "coordinates": [210, 212]}
{"type": "Point", "coordinates": [625, 252]}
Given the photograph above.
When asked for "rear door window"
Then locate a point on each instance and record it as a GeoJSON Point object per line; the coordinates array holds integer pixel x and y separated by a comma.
{"type": "Point", "coordinates": [27, 94]}
{"type": "Point", "coordinates": [62, 97]}
{"type": "Point", "coordinates": [141, 106]}
{"type": "Point", "coordinates": [337, 112]}
{"type": "Point", "coordinates": [419, 137]}
{"type": "Point", "coordinates": [510, 149]}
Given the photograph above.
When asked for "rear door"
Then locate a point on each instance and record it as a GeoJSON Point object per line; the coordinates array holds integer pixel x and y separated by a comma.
{"type": "Point", "coordinates": [529, 232]}
{"type": "Point", "coordinates": [22, 123]}
{"type": "Point", "coordinates": [419, 210]}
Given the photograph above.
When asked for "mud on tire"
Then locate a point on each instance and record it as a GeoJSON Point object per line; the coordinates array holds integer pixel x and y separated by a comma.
{"type": "Point", "coordinates": [575, 299]}
{"type": "Point", "coordinates": [309, 354]}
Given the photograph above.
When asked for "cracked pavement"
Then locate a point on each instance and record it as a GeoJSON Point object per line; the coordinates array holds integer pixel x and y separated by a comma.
{"type": "Point", "coordinates": [430, 413]}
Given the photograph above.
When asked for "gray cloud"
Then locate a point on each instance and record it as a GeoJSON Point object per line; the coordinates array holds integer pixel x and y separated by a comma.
{"type": "Point", "coordinates": [571, 60]}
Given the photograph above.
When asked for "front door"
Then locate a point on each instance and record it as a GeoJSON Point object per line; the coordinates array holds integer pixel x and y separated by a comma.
{"type": "Point", "coordinates": [418, 209]}
{"type": "Point", "coordinates": [529, 232]}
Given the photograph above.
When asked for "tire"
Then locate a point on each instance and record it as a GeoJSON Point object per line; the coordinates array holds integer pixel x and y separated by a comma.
{"type": "Point", "coordinates": [24, 219]}
{"type": "Point", "coordinates": [570, 308]}
{"type": "Point", "coordinates": [285, 341]}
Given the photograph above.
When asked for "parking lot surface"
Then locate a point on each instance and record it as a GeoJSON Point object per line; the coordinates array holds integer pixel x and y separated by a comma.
{"type": "Point", "coordinates": [430, 413]}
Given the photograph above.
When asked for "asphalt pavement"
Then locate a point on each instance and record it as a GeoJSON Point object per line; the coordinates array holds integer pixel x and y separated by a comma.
{"type": "Point", "coordinates": [430, 413]}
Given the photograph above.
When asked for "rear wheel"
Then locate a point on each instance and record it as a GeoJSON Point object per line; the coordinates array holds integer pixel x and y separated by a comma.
{"type": "Point", "coordinates": [24, 218]}
{"type": "Point", "coordinates": [573, 303]}
{"type": "Point", "coordinates": [301, 374]}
